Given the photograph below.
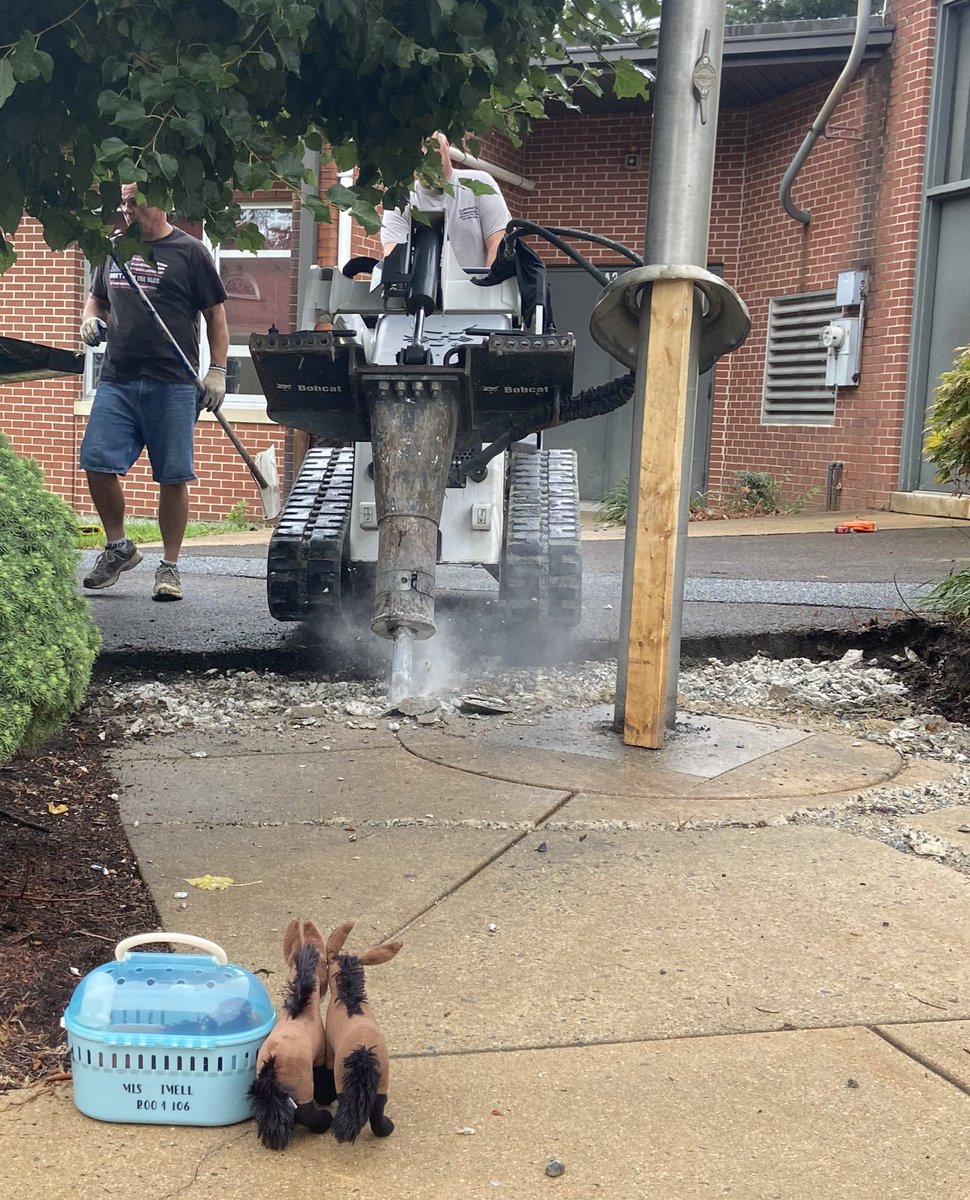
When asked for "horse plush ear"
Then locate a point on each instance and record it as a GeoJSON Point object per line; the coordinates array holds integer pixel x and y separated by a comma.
{"type": "Point", "coordinates": [313, 937]}
{"type": "Point", "coordinates": [292, 940]}
{"type": "Point", "coordinates": [379, 954]}
{"type": "Point", "coordinates": [335, 941]}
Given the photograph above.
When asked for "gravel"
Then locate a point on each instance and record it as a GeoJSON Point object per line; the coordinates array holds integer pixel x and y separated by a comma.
{"type": "Point", "coordinates": [851, 696]}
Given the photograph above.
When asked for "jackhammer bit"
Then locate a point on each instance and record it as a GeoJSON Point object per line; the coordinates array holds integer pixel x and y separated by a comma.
{"type": "Point", "coordinates": [413, 424]}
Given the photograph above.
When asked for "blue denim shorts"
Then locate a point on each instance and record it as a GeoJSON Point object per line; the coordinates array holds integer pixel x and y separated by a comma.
{"type": "Point", "coordinates": [141, 414]}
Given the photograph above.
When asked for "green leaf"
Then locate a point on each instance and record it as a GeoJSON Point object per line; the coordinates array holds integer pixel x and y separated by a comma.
{"type": "Point", "coordinates": [318, 210]}
{"type": "Point", "coordinates": [30, 63]}
{"type": "Point", "coordinates": [252, 177]}
{"type": "Point", "coordinates": [345, 156]}
{"type": "Point", "coordinates": [406, 53]}
{"type": "Point", "coordinates": [478, 187]}
{"type": "Point", "coordinates": [341, 197]}
{"type": "Point", "coordinates": [114, 148]}
{"type": "Point", "coordinates": [486, 56]}
{"type": "Point", "coordinates": [168, 164]}
{"type": "Point", "coordinates": [130, 114]}
{"type": "Point", "coordinates": [248, 237]}
{"type": "Point", "coordinates": [367, 216]}
{"type": "Point", "coordinates": [629, 80]}
{"type": "Point", "coordinates": [7, 81]}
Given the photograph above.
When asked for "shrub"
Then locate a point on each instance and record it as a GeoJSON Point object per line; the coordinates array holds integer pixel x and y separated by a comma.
{"type": "Point", "coordinates": [947, 446]}
{"type": "Point", "coordinates": [49, 640]}
{"type": "Point", "coordinates": [947, 438]}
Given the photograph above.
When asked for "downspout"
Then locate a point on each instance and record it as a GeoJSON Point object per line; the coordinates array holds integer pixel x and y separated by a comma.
{"type": "Point", "coordinates": [493, 169]}
{"type": "Point", "coordinates": [818, 125]}
{"type": "Point", "coordinates": [345, 224]}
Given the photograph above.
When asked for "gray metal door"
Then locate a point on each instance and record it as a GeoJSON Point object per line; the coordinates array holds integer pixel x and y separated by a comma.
{"type": "Point", "coordinates": [602, 444]}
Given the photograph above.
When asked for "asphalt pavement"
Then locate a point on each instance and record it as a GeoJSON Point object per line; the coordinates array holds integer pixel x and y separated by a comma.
{"type": "Point", "coordinates": [745, 579]}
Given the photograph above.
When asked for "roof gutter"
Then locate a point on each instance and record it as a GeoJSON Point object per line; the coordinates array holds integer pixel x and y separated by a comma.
{"type": "Point", "coordinates": [818, 125]}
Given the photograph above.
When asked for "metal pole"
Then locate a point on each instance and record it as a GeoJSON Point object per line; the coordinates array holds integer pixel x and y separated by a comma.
{"type": "Point", "coordinates": [681, 177]}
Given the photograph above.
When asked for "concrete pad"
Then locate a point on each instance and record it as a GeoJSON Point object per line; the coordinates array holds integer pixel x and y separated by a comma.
{"type": "Point", "coordinates": [945, 823]}
{"type": "Point", "coordinates": [372, 785]}
{"type": "Point", "coordinates": [823, 762]}
{"type": "Point", "coordinates": [943, 1046]}
{"type": "Point", "coordinates": [659, 934]}
{"type": "Point", "coordinates": [380, 878]}
{"type": "Point", "coordinates": [703, 756]}
{"type": "Point", "coordinates": [756, 1117]}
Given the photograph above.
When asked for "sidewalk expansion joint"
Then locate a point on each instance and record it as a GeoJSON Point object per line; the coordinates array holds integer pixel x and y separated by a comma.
{"type": "Point", "coordinates": [694, 1036]}
{"type": "Point", "coordinates": [524, 831]}
{"type": "Point", "coordinates": [928, 1064]}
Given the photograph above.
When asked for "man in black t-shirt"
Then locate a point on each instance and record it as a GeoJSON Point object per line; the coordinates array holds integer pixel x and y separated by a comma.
{"type": "Point", "coordinates": [144, 399]}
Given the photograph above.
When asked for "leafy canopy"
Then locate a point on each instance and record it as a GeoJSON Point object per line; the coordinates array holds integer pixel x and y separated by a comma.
{"type": "Point", "coordinates": [753, 12]}
{"type": "Point", "coordinates": [193, 99]}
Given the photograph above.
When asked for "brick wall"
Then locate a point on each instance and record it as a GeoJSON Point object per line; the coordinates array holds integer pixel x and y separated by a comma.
{"type": "Point", "coordinates": [863, 191]}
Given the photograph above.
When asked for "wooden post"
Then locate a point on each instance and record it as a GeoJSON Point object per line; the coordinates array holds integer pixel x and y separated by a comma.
{"type": "Point", "coordinates": [655, 603]}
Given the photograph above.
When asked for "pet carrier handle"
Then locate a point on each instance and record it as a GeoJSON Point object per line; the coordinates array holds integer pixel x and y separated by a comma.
{"type": "Point", "coordinates": [183, 939]}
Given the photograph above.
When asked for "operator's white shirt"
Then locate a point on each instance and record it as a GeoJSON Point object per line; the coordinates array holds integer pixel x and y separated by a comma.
{"type": "Point", "coordinates": [469, 219]}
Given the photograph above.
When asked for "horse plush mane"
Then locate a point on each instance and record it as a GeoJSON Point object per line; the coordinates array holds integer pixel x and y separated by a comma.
{"type": "Point", "coordinates": [291, 1077]}
{"type": "Point", "coordinates": [356, 1049]}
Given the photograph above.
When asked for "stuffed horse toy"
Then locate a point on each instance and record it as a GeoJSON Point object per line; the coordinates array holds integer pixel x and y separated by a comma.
{"type": "Point", "coordinates": [290, 1071]}
{"type": "Point", "coordinates": [356, 1050]}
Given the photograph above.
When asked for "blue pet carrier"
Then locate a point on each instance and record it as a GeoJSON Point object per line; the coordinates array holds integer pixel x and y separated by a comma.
{"type": "Point", "coordinates": [167, 1039]}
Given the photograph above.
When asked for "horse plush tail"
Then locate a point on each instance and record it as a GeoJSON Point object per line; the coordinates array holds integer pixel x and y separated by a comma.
{"type": "Point", "coordinates": [360, 1101]}
{"type": "Point", "coordinates": [273, 1107]}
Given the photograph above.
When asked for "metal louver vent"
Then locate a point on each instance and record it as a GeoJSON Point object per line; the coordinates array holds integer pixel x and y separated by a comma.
{"type": "Point", "coordinates": [795, 389]}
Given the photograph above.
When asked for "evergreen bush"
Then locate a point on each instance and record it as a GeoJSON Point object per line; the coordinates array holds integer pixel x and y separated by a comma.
{"type": "Point", "coordinates": [48, 641]}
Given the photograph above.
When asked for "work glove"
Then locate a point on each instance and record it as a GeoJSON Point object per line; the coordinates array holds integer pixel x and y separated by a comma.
{"type": "Point", "coordinates": [92, 331]}
{"type": "Point", "coordinates": [215, 388]}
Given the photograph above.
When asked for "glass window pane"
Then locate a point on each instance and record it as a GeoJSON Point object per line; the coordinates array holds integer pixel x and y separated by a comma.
{"type": "Point", "coordinates": [241, 377]}
{"type": "Point", "coordinates": [958, 151]}
{"type": "Point", "coordinates": [275, 224]}
{"type": "Point", "coordinates": [258, 291]}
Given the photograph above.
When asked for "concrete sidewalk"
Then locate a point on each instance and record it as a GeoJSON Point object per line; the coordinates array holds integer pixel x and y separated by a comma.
{"type": "Point", "coordinates": [651, 966]}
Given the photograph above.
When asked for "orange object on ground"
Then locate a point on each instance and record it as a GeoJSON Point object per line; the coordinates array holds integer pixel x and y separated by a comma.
{"type": "Point", "coordinates": [856, 527]}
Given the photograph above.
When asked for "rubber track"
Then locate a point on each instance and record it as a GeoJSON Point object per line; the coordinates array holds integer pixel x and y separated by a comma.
{"type": "Point", "coordinates": [308, 546]}
{"type": "Point", "coordinates": [542, 567]}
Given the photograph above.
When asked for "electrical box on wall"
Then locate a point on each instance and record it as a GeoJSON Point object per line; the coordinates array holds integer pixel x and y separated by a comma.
{"type": "Point", "coordinates": [842, 340]}
{"type": "Point", "coordinates": [850, 289]}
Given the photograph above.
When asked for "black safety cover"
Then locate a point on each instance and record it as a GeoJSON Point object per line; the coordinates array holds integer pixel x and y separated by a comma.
{"type": "Point", "coordinates": [531, 275]}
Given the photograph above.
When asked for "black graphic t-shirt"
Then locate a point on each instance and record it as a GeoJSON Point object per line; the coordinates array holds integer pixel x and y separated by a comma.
{"type": "Point", "coordinates": [180, 283]}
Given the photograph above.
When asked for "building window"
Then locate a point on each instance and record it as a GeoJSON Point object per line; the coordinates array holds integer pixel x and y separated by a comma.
{"type": "Point", "coordinates": [258, 294]}
{"type": "Point", "coordinates": [795, 392]}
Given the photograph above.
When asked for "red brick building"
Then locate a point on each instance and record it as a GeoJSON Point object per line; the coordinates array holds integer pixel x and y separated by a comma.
{"type": "Point", "coordinates": [888, 188]}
